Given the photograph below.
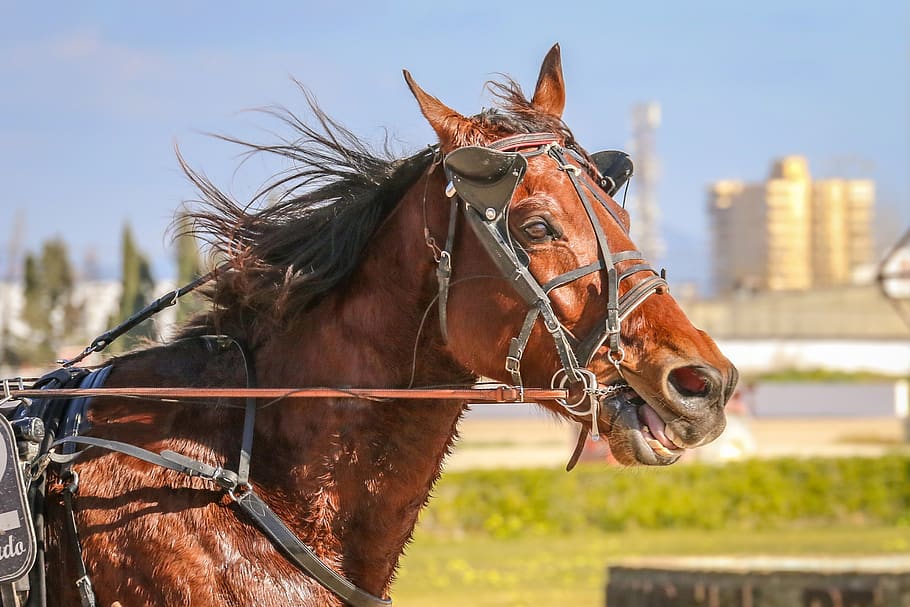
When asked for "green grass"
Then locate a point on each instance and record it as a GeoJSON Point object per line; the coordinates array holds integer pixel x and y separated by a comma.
{"type": "Point", "coordinates": [480, 571]}
{"type": "Point", "coordinates": [824, 375]}
{"type": "Point", "coordinates": [543, 537]}
{"type": "Point", "coordinates": [752, 494]}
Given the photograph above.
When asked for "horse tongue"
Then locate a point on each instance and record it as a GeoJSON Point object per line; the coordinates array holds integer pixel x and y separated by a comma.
{"type": "Point", "coordinates": [656, 425]}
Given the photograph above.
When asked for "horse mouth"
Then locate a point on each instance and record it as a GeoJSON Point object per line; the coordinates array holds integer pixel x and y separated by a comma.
{"type": "Point", "coordinates": [637, 433]}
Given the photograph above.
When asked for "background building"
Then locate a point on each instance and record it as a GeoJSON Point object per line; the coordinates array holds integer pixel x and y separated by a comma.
{"type": "Point", "coordinates": [643, 202]}
{"type": "Point", "coordinates": [790, 233]}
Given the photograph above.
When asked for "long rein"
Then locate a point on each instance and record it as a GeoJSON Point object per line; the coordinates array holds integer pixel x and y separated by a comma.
{"type": "Point", "coordinates": [485, 394]}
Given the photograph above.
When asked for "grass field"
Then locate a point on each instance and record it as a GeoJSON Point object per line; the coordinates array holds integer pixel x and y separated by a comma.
{"type": "Point", "coordinates": [571, 570]}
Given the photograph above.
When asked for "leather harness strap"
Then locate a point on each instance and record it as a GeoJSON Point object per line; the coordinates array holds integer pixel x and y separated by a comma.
{"type": "Point", "coordinates": [301, 555]}
{"type": "Point", "coordinates": [236, 484]}
{"type": "Point", "coordinates": [265, 519]}
{"type": "Point", "coordinates": [444, 272]}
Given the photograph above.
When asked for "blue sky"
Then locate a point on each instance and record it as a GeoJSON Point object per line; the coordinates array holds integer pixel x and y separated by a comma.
{"type": "Point", "coordinates": [96, 95]}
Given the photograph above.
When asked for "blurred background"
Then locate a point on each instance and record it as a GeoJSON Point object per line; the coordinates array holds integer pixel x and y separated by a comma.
{"type": "Point", "coordinates": [772, 148]}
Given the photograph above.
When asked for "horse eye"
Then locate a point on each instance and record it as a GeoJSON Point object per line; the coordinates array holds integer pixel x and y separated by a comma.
{"type": "Point", "coordinates": [537, 230]}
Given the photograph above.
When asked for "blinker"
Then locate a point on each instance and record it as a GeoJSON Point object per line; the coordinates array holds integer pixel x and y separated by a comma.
{"type": "Point", "coordinates": [615, 168]}
{"type": "Point", "coordinates": [484, 178]}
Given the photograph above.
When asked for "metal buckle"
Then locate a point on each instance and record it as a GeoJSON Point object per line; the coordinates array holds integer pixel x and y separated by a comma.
{"type": "Point", "coordinates": [244, 490]}
{"type": "Point", "coordinates": [513, 364]}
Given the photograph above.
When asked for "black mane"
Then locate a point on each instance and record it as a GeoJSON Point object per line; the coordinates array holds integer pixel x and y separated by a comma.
{"type": "Point", "coordinates": [314, 219]}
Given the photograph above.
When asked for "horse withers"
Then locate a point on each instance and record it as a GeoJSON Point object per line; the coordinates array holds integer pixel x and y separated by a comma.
{"type": "Point", "coordinates": [498, 252]}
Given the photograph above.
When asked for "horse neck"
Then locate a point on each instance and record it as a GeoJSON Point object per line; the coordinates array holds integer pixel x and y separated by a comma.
{"type": "Point", "coordinates": [360, 471]}
{"type": "Point", "coordinates": [370, 330]}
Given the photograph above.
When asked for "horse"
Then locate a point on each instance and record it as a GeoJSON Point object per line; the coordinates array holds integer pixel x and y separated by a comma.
{"type": "Point", "coordinates": [498, 253]}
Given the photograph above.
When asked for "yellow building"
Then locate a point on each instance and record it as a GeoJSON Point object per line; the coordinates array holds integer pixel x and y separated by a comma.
{"type": "Point", "coordinates": [790, 233]}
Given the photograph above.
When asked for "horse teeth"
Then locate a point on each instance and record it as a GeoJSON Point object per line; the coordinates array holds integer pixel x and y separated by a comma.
{"type": "Point", "coordinates": [672, 437]}
{"type": "Point", "coordinates": [659, 448]}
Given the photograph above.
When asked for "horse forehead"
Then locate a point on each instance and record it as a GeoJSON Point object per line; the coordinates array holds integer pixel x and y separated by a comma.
{"type": "Point", "coordinates": [544, 176]}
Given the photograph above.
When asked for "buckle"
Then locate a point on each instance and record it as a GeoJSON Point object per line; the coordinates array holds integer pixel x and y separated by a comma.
{"type": "Point", "coordinates": [513, 364]}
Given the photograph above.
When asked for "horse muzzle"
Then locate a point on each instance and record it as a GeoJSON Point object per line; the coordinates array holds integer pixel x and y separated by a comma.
{"type": "Point", "coordinates": [656, 427]}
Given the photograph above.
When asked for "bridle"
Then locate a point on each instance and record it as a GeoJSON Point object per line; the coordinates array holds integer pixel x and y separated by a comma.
{"type": "Point", "coordinates": [484, 180]}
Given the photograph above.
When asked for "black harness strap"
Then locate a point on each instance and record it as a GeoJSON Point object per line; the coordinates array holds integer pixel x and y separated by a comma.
{"type": "Point", "coordinates": [564, 279]}
{"type": "Point", "coordinates": [249, 417]}
{"type": "Point", "coordinates": [517, 346]}
{"type": "Point", "coordinates": [83, 581]}
{"type": "Point", "coordinates": [265, 519]}
{"type": "Point", "coordinates": [165, 301]}
{"type": "Point", "coordinates": [262, 516]}
{"type": "Point", "coordinates": [166, 459]}
{"type": "Point", "coordinates": [530, 290]}
{"type": "Point", "coordinates": [444, 272]}
{"type": "Point", "coordinates": [236, 484]}
{"type": "Point", "coordinates": [301, 554]}
{"type": "Point", "coordinates": [73, 422]}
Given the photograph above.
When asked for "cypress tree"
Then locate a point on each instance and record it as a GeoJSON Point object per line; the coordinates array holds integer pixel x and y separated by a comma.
{"type": "Point", "coordinates": [49, 311]}
{"type": "Point", "coordinates": [138, 287]}
{"type": "Point", "coordinates": [37, 315]}
{"type": "Point", "coordinates": [189, 267]}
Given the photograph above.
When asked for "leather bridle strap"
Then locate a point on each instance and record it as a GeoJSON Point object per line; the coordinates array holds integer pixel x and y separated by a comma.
{"type": "Point", "coordinates": [606, 255]}
{"type": "Point", "coordinates": [493, 231]}
{"type": "Point", "coordinates": [530, 290]}
{"type": "Point", "coordinates": [618, 308]}
{"type": "Point", "coordinates": [524, 141]}
{"type": "Point", "coordinates": [444, 272]}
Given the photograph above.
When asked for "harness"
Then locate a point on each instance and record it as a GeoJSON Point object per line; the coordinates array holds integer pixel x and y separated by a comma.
{"type": "Point", "coordinates": [484, 179]}
{"type": "Point", "coordinates": [61, 423]}
{"type": "Point", "coordinates": [49, 431]}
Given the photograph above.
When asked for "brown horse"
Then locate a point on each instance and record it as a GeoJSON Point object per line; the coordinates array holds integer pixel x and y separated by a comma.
{"type": "Point", "coordinates": [338, 284]}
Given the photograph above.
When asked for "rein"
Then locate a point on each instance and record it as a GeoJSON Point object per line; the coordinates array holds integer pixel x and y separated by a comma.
{"type": "Point", "coordinates": [491, 394]}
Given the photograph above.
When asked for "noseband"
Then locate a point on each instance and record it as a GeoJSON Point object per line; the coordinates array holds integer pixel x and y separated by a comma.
{"type": "Point", "coordinates": [485, 179]}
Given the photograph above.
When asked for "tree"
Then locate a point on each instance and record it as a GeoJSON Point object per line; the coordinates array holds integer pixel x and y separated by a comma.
{"type": "Point", "coordinates": [49, 311]}
{"type": "Point", "coordinates": [138, 286]}
{"type": "Point", "coordinates": [189, 267]}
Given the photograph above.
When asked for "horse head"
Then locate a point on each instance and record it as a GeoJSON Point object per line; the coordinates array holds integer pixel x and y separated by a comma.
{"type": "Point", "coordinates": [547, 287]}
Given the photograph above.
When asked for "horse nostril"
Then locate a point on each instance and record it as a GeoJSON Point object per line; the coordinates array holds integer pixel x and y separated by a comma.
{"type": "Point", "coordinates": [691, 381]}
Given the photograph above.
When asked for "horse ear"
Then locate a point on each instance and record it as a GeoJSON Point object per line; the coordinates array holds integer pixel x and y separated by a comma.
{"type": "Point", "coordinates": [450, 126]}
{"type": "Point", "coordinates": [550, 93]}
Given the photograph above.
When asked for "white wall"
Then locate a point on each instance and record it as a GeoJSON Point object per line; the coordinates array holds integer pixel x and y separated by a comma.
{"type": "Point", "coordinates": [891, 357]}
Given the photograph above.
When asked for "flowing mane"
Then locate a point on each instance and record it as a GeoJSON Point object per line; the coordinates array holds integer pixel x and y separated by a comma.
{"type": "Point", "coordinates": [321, 212]}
